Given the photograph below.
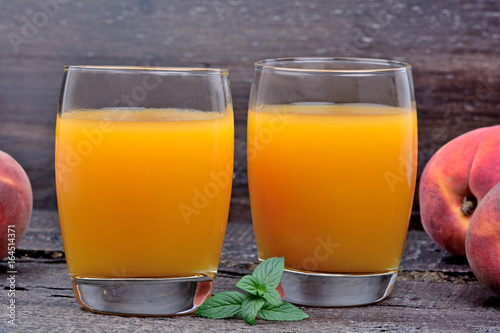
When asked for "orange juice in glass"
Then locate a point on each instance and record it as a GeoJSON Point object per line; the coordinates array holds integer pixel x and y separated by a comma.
{"type": "Point", "coordinates": [332, 149]}
{"type": "Point", "coordinates": [144, 169]}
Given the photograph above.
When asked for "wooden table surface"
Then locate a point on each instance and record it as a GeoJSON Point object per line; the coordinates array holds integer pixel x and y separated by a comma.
{"type": "Point", "coordinates": [434, 292]}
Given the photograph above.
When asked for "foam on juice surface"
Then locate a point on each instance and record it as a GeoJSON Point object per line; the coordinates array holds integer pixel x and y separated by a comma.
{"type": "Point", "coordinates": [142, 114]}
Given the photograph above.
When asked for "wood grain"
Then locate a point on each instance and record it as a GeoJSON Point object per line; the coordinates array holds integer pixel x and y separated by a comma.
{"type": "Point", "coordinates": [454, 47]}
{"type": "Point", "coordinates": [43, 241]}
{"type": "Point", "coordinates": [429, 296]}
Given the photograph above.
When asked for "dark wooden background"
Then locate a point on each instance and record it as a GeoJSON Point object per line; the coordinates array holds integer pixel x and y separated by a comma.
{"type": "Point", "coordinates": [453, 45]}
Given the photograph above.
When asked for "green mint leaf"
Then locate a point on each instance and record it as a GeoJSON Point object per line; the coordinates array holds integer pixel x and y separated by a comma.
{"type": "Point", "coordinates": [250, 307]}
{"type": "Point", "coordinates": [252, 286]}
{"type": "Point", "coordinates": [262, 298]}
{"type": "Point", "coordinates": [283, 312]}
{"type": "Point", "coordinates": [249, 284]}
{"type": "Point", "coordinates": [269, 272]}
{"type": "Point", "coordinates": [273, 297]}
{"type": "Point", "coordinates": [222, 305]}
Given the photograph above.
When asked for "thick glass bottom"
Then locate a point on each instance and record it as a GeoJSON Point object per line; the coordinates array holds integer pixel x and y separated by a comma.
{"type": "Point", "coordinates": [322, 289]}
{"type": "Point", "coordinates": [143, 296]}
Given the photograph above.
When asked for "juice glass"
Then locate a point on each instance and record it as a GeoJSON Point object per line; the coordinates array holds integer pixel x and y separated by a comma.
{"type": "Point", "coordinates": [332, 152]}
{"type": "Point", "coordinates": [144, 163]}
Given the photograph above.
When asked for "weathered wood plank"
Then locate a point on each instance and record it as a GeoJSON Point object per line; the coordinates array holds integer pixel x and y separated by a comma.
{"type": "Point", "coordinates": [44, 232]}
{"type": "Point", "coordinates": [43, 241]}
{"type": "Point", "coordinates": [432, 293]}
{"type": "Point", "coordinates": [436, 307]}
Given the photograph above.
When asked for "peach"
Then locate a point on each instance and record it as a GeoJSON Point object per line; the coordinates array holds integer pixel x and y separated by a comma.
{"type": "Point", "coordinates": [456, 178]}
{"type": "Point", "coordinates": [16, 203]}
{"type": "Point", "coordinates": [482, 244]}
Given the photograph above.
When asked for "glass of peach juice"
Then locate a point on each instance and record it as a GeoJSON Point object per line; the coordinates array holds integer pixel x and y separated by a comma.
{"type": "Point", "coordinates": [144, 163]}
{"type": "Point", "coordinates": [332, 153]}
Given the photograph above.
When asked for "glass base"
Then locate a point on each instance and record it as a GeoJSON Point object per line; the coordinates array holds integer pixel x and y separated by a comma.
{"type": "Point", "coordinates": [321, 289]}
{"type": "Point", "coordinates": [143, 296]}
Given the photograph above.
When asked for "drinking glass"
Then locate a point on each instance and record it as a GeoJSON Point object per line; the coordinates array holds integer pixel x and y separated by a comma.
{"type": "Point", "coordinates": [144, 163]}
{"type": "Point", "coordinates": [332, 152]}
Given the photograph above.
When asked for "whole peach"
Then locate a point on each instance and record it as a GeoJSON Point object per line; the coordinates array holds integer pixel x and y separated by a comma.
{"type": "Point", "coordinates": [16, 203]}
{"type": "Point", "coordinates": [456, 178]}
{"type": "Point", "coordinates": [482, 244]}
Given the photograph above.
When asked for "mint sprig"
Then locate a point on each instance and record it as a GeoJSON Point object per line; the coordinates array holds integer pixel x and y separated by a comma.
{"type": "Point", "coordinates": [262, 298]}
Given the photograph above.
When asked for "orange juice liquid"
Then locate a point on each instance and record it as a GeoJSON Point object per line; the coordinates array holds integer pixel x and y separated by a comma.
{"type": "Point", "coordinates": [143, 193]}
{"type": "Point", "coordinates": [331, 186]}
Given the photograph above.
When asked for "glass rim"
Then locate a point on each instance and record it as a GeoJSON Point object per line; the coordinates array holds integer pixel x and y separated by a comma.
{"type": "Point", "coordinates": [279, 65]}
{"type": "Point", "coordinates": [139, 69]}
